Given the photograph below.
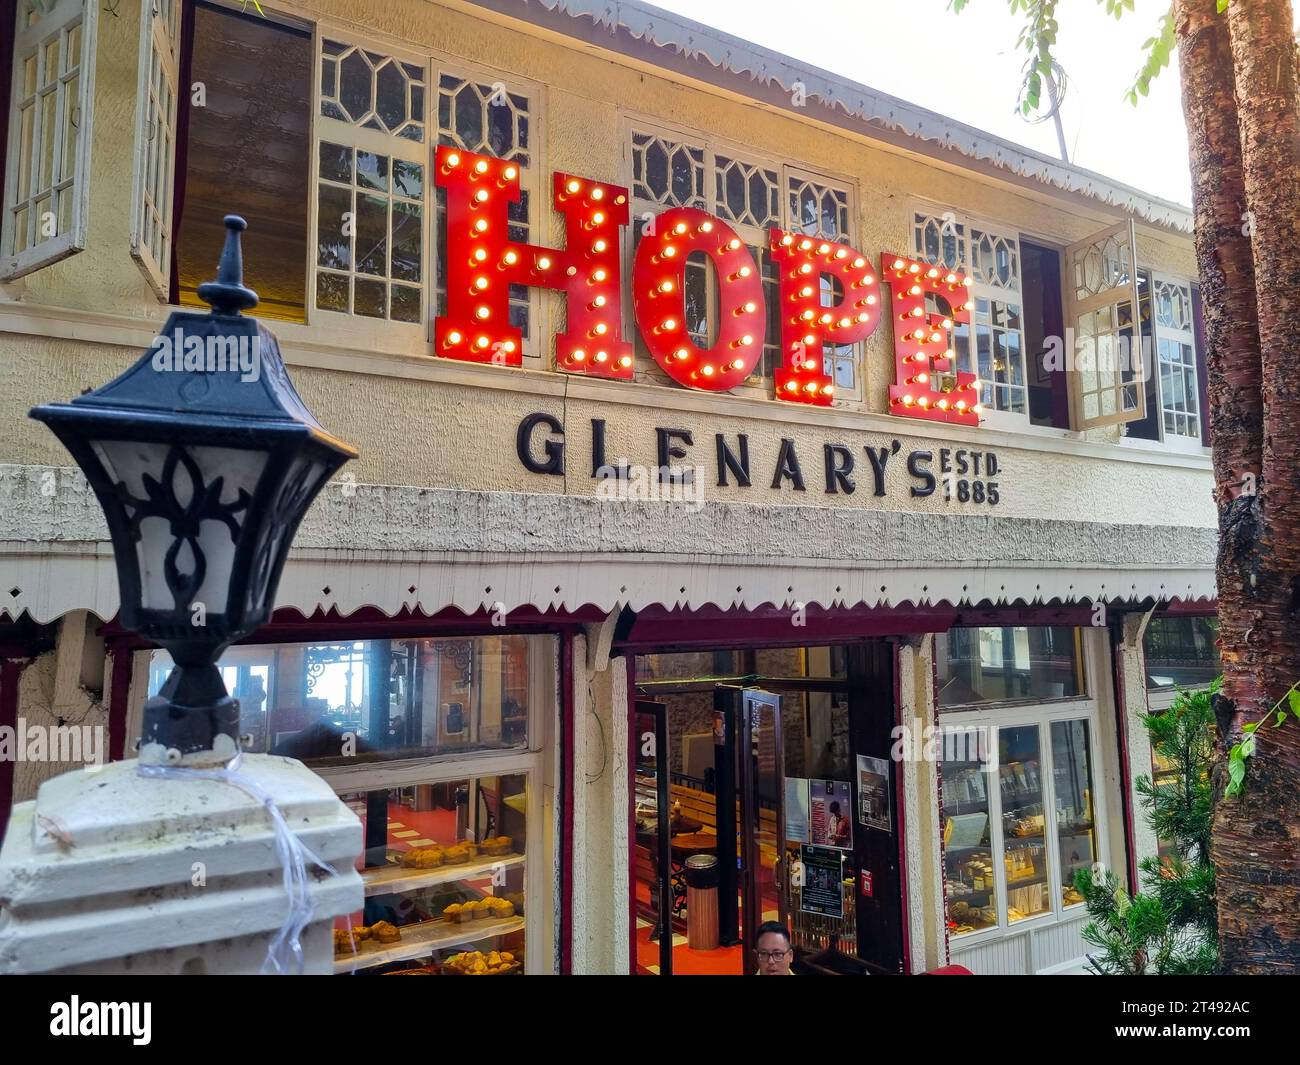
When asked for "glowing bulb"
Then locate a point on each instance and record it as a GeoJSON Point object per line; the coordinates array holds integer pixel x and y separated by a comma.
{"type": "Point", "coordinates": [602, 356]}
{"type": "Point", "coordinates": [480, 282]}
{"type": "Point", "coordinates": [859, 263]}
{"type": "Point", "coordinates": [597, 193]}
{"type": "Point", "coordinates": [960, 404]}
{"type": "Point", "coordinates": [871, 300]}
{"type": "Point", "coordinates": [598, 218]}
{"type": "Point", "coordinates": [481, 166]}
{"type": "Point", "coordinates": [480, 254]}
{"type": "Point", "coordinates": [806, 290]}
{"type": "Point", "coordinates": [669, 251]}
{"type": "Point", "coordinates": [747, 340]}
{"type": "Point", "coordinates": [509, 173]}
{"type": "Point", "coordinates": [573, 186]}
{"type": "Point", "coordinates": [969, 305]}
{"type": "Point", "coordinates": [845, 322]}
{"type": "Point", "coordinates": [947, 323]}
{"type": "Point", "coordinates": [827, 390]}
{"type": "Point", "coordinates": [544, 263]}
{"type": "Point", "coordinates": [625, 361]}
{"type": "Point", "coordinates": [914, 269]}
{"type": "Point", "coordinates": [483, 312]}
{"type": "Point", "coordinates": [670, 324]}
{"type": "Point", "coordinates": [922, 378]}
{"type": "Point", "coordinates": [826, 319]}
{"type": "Point", "coordinates": [579, 355]}
{"type": "Point", "coordinates": [744, 271]}
{"type": "Point", "coordinates": [601, 328]}
{"type": "Point", "coordinates": [915, 290]}
{"type": "Point", "coordinates": [679, 228]}
{"type": "Point", "coordinates": [481, 225]}
{"type": "Point", "coordinates": [453, 337]}
{"type": "Point", "coordinates": [968, 281]}
{"type": "Point", "coordinates": [841, 254]}
{"type": "Point", "coordinates": [810, 364]}
{"type": "Point", "coordinates": [599, 301]}
{"type": "Point", "coordinates": [749, 307]}
{"type": "Point", "coordinates": [733, 244]}
{"type": "Point", "coordinates": [481, 195]}
{"type": "Point", "coordinates": [864, 317]}
{"type": "Point", "coordinates": [808, 316]}
{"type": "Point", "coordinates": [806, 268]}
{"type": "Point", "coordinates": [810, 339]}
{"type": "Point", "coordinates": [738, 364]}
{"type": "Point", "coordinates": [822, 249]}
{"type": "Point", "coordinates": [898, 264]}
{"type": "Point", "coordinates": [482, 342]}
{"type": "Point", "coordinates": [811, 386]}
{"type": "Point", "coordinates": [666, 286]}
{"type": "Point", "coordinates": [511, 258]}
{"type": "Point", "coordinates": [599, 246]}
{"type": "Point", "coordinates": [707, 370]}
{"type": "Point", "coordinates": [908, 400]}
{"type": "Point", "coordinates": [706, 227]}
{"type": "Point", "coordinates": [951, 278]}
{"type": "Point", "coordinates": [805, 244]}
{"type": "Point", "coordinates": [453, 159]}
{"type": "Point", "coordinates": [508, 346]}
{"type": "Point", "coordinates": [942, 404]}
{"type": "Point", "coordinates": [923, 402]}
{"type": "Point", "coordinates": [787, 240]}
{"type": "Point", "coordinates": [598, 275]}
{"type": "Point", "coordinates": [792, 386]}
{"type": "Point", "coordinates": [932, 272]}
{"type": "Point", "coordinates": [682, 353]}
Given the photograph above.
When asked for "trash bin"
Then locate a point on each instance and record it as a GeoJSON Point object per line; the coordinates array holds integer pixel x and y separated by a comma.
{"type": "Point", "coordinates": [702, 902]}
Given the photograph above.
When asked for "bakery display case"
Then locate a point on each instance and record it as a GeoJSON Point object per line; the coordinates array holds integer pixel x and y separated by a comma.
{"type": "Point", "coordinates": [444, 870]}
{"type": "Point", "coordinates": [1024, 830]}
{"type": "Point", "coordinates": [970, 881]}
{"type": "Point", "coordinates": [1076, 829]}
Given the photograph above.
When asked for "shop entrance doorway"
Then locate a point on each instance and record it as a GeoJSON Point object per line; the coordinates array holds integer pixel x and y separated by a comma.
{"type": "Point", "coordinates": [709, 843]}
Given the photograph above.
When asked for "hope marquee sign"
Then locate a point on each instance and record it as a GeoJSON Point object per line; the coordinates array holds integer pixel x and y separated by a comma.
{"type": "Point", "coordinates": [925, 304]}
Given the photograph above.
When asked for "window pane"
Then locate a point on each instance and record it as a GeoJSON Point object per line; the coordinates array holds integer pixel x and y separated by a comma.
{"type": "Point", "coordinates": [443, 867]}
{"type": "Point", "coordinates": [1075, 821]}
{"type": "Point", "coordinates": [1024, 845]}
{"type": "Point", "coordinates": [268, 147]}
{"type": "Point", "coordinates": [369, 700]}
{"type": "Point", "coordinates": [1181, 651]}
{"type": "Point", "coordinates": [977, 665]}
{"type": "Point", "coordinates": [969, 875]}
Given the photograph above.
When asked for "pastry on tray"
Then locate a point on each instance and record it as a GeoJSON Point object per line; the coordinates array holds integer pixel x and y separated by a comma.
{"type": "Point", "coordinates": [423, 858]}
{"type": "Point", "coordinates": [383, 932]}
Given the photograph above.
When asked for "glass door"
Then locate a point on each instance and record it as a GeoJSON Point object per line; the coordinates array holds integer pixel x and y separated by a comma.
{"type": "Point", "coordinates": [762, 821]}
{"type": "Point", "coordinates": [652, 887]}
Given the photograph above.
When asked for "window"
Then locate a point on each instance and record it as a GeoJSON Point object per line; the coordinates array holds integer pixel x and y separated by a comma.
{"type": "Point", "coordinates": [681, 170]}
{"type": "Point", "coordinates": [155, 141]}
{"type": "Point", "coordinates": [46, 193]}
{"type": "Point", "coordinates": [252, 161]}
{"type": "Point", "coordinates": [489, 117]}
{"type": "Point", "coordinates": [1016, 821]}
{"type": "Point", "coordinates": [1173, 363]}
{"type": "Point", "coordinates": [1181, 652]}
{"type": "Point", "coordinates": [993, 261]}
{"type": "Point", "coordinates": [1012, 663]}
{"type": "Point", "coordinates": [359, 701]}
{"type": "Point", "coordinates": [371, 178]}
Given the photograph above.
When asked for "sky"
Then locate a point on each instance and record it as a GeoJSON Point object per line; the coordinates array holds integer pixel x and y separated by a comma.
{"type": "Point", "coordinates": [967, 66]}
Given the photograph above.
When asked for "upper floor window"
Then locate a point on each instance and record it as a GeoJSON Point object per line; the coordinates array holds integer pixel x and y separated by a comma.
{"type": "Point", "coordinates": [1181, 651]}
{"type": "Point", "coordinates": [51, 93]}
{"type": "Point", "coordinates": [1173, 363]}
{"type": "Point", "coordinates": [678, 169]}
{"type": "Point", "coordinates": [1008, 664]}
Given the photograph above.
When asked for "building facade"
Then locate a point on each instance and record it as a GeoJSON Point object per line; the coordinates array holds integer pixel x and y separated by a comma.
{"type": "Point", "coordinates": [785, 444]}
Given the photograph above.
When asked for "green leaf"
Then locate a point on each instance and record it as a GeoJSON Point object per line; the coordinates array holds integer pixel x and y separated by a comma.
{"type": "Point", "coordinates": [1248, 747]}
{"type": "Point", "coordinates": [1250, 726]}
{"type": "Point", "coordinates": [1223, 6]}
{"type": "Point", "coordinates": [1293, 700]}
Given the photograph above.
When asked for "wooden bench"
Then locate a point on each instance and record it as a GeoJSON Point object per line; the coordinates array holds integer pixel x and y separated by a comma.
{"type": "Point", "coordinates": [702, 806]}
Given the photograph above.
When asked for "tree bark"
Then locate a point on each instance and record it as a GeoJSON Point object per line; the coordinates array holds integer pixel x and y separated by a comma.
{"type": "Point", "coordinates": [1256, 842]}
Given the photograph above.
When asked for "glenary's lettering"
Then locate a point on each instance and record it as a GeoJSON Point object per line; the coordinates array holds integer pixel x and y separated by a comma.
{"type": "Point", "coordinates": [926, 306]}
{"type": "Point", "coordinates": [966, 475]}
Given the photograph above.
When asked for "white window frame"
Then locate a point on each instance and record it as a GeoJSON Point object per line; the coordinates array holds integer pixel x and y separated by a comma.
{"type": "Point", "coordinates": [757, 238]}
{"type": "Point", "coordinates": [358, 328]}
{"type": "Point", "coordinates": [155, 141]}
{"type": "Point", "coordinates": [1181, 442]}
{"type": "Point", "coordinates": [990, 416]}
{"type": "Point", "coordinates": [543, 228]}
{"type": "Point", "coordinates": [60, 18]}
{"type": "Point", "coordinates": [1042, 715]}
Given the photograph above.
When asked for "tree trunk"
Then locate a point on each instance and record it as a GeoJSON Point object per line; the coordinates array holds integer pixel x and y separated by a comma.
{"type": "Point", "coordinates": [1256, 843]}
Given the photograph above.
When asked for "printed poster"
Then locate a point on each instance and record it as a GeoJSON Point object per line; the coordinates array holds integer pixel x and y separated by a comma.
{"type": "Point", "coordinates": [873, 793]}
{"type": "Point", "coordinates": [796, 810]}
{"type": "Point", "coordinates": [822, 874]}
{"type": "Point", "coordinates": [830, 814]}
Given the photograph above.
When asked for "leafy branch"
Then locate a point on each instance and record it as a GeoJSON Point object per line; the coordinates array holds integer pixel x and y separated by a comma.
{"type": "Point", "coordinates": [1246, 748]}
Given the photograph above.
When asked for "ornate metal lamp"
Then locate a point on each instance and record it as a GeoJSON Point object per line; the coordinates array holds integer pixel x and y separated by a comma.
{"type": "Point", "coordinates": [205, 460]}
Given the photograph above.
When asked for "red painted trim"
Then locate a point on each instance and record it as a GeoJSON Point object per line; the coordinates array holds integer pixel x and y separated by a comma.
{"type": "Point", "coordinates": [934, 710]}
{"type": "Point", "coordinates": [566, 800]}
{"type": "Point", "coordinates": [1125, 770]}
{"type": "Point", "coordinates": [899, 804]}
{"type": "Point", "coordinates": [119, 697]}
{"type": "Point", "coordinates": [630, 659]}
{"type": "Point", "coordinates": [11, 671]}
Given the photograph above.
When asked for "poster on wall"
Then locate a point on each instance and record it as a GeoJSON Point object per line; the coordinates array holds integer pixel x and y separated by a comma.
{"type": "Point", "coordinates": [830, 814]}
{"type": "Point", "coordinates": [796, 810]}
{"type": "Point", "coordinates": [873, 793]}
{"type": "Point", "coordinates": [822, 874]}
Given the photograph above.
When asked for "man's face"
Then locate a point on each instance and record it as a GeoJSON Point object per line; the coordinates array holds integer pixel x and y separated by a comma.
{"type": "Point", "coordinates": [774, 954]}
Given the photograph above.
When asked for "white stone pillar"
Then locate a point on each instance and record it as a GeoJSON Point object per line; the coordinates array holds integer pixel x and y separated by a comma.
{"type": "Point", "coordinates": [107, 871]}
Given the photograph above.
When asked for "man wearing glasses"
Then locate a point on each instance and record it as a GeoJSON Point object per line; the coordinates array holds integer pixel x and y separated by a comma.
{"type": "Point", "coordinates": [772, 946]}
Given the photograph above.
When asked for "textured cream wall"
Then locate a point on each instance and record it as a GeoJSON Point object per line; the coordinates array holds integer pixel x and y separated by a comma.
{"type": "Point", "coordinates": [421, 421]}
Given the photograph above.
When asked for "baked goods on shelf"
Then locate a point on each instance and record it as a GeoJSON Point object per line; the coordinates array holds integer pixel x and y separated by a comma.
{"type": "Point", "coordinates": [423, 858]}
{"type": "Point", "coordinates": [457, 855]}
{"type": "Point", "coordinates": [476, 963]}
{"type": "Point", "coordinates": [384, 932]}
{"type": "Point", "coordinates": [496, 846]}
{"type": "Point", "coordinates": [501, 908]}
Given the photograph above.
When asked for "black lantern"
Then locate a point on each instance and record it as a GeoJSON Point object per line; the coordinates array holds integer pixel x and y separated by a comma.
{"type": "Point", "coordinates": [205, 460]}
